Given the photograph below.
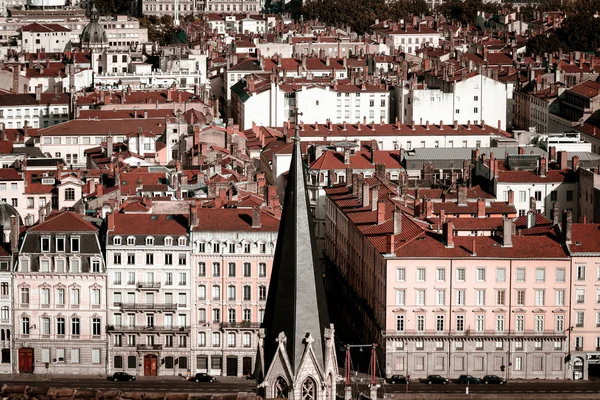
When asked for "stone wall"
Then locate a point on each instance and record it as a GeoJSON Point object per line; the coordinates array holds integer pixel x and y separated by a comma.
{"type": "Point", "coordinates": [24, 392]}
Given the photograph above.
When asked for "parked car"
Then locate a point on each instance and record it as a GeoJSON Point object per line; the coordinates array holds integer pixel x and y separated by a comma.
{"type": "Point", "coordinates": [436, 379]}
{"type": "Point", "coordinates": [493, 379]}
{"type": "Point", "coordinates": [398, 379]}
{"type": "Point", "coordinates": [467, 379]}
{"type": "Point", "coordinates": [121, 376]}
{"type": "Point", "coordinates": [204, 377]}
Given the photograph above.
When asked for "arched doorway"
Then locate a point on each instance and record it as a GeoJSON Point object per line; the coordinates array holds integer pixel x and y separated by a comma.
{"type": "Point", "coordinates": [578, 368]}
{"type": "Point", "coordinates": [150, 365]}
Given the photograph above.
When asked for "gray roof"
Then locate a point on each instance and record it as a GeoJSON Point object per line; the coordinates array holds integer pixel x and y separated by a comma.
{"type": "Point", "coordinates": [6, 211]}
{"type": "Point", "coordinates": [464, 153]}
{"type": "Point", "coordinates": [44, 162]}
{"type": "Point", "coordinates": [296, 302]}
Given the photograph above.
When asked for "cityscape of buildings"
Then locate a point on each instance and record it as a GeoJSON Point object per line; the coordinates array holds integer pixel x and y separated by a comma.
{"type": "Point", "coordinates": [215, 201]}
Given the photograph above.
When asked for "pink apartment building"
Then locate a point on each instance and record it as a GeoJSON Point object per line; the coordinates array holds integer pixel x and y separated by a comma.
{"type": "Point", "coordinates": [438, 303]}
{"type": "Point", "coordinates": [232, 256]}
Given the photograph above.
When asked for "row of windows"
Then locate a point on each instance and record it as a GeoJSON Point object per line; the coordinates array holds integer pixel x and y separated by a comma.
{"type": "Point", "coordinates": [232, 292]}
{"type": "Point", "coordinates": [232, 270]}
{"type": "Point", "coordinates": [60, 265]}
{"type": "Point", "coordinates": [232, 339]}
{"type": "Point", "coordinates": [60, 327]}
{"type": "Point", "coordinates": [149, 298]}
{"type": "Point", "coordinates": [479, 326]}
{"type": "Point", "coordinates": [149, 258]}
{"type": "Point", "coordinates": [149, 241]}
{"type": "Point", "coordinates": [149, 278]}
{"type": "Point", "coordinates": [500, 276]}
{"type": "Point", "coordinates": [170, 362]}
{"type": "Point", "coordinates": [230, 248]}
{"type": "Point", "coordinates": [480, 299]}
{"type": "Point", "coordinates": [60, 297]}
{"type": "Point", "coordinates": [517, 345]}
{"type": "Point", "coordinates": [75, 356]}
{"type": "Point", "coordinates": [231, 315]}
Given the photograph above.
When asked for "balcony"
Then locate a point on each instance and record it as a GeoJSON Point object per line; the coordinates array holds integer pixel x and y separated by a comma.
{"type": "Point", "coordinates": [240, 325]}
{"type": "Point", "coordinates": [148, 285]}
{"type": "Point", "coordinates": [147, 306]}
{"type": "Point", "coordinates": [148, 329]}
{"type": "Point", "coordinates": [145, 347]}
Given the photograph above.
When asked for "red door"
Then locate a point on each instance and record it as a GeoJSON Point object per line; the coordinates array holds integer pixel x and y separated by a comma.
{"type": "Point", "coordinates": [150, 365]}
{"type": "Point", "coordinates": [25, 360]}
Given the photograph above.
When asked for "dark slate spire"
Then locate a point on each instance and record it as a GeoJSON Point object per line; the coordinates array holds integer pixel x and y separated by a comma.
{"type": "Point", "coordinates": [296, 302]}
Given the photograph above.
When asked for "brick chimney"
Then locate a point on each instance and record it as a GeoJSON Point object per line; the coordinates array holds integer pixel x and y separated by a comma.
{"type": "Point", "coordinates": [110, 221]}
{"type": "Point", "coordinates": [532, 204]}
{"type": "Point", "coordinates": [552, 153]}
{"type": "Point", "coordinates": [511, 197]}
{"type": "Point", "coordinates": [480, 208]}
{"type": "Point", "coordinates": [193, 222]}
{"type": "Point", "coordinates": [543, 167]}
{"type": "Point", "coordinates": [562, 158]}
{"type": "Point", "coordinates": [449, 234]}
{"type": "Point", "coordinates": [507, 233]}
{"type": "Point", "coordinates": [374, 198]}
{"type": "Point", "coordinates": [390, 246]}
{"type": "Point", "coordinates": [567, 226]}
{"type": "Point", "coordinates": [380, 211]}
{"type": "Point", "coordinates": [575, 163]}
{"type": "Point", "coordinates": [256, 217]}
{"type": "Point", "coordinates": [428, 208]}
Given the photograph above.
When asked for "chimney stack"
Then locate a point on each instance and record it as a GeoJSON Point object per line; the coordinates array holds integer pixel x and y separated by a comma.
{"type": "Point", "coordinates": [449, 234]}
{"type": "Point", "coordinates": [397, 221]}
{"type": "Point", "coordinates": [365, 194]}
{"type": "Point", "coordinates": [428, 208]}
{"type": "Point", "coordinates": [555, 213]}
{"type": "Point", "coordinates": [507, 233]}
{"type": "Point", "coordinates": [542, 167]}
{"type": "Point", "coordinates": [390, 245]}
{"type": "Point", "coordinates": [193, 215]}
{"type": "Point", "coordinates": [374, 198]}
{"type": "Point", "coordinates": [15, 232]}
{"type": "Point", "coordinates": [567, 226]}
{"type": "Point", "coordinates": [511, 197]}
{"type": "Point", "coordinates": [575, 163]}
{"type": "Point", "coordinates": [256, 217]}
{"type": "Point", "coordinates": [562, 159]}
{"type": "Point", "coordinates": [532, 204]}
{"type": "Point", "coordinates": [380, 211]}
{"type": "Point", "coordinates": [462, 196]}
{"type": "Point", "coordinates": [530, 219]}
{"type": "Point", "coordinates": [480, 208]}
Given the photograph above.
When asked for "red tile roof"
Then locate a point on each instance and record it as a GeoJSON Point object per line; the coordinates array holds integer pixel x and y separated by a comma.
{"type": "Point", "coordinates": [585, 239]}
{"type": "Point", "coordinates": [67, 221]}
{"type": "Point", "coordinates": [10, 174]}
{"type": "Point", "coordinates": [149, 224]}
{"type": "Point", "coordinates": [531, 177]}
{"type": "Point", "coordinates": [359, 160]}
{"type": "Point", "coordinates": [234, 219]}
{"type": "Point", "coordinates": [104, 126]}
{"type": "Point", "coordinates": [35, 27]}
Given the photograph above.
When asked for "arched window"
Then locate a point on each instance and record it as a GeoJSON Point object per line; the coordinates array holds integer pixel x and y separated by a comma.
{"type": "Point", "coordinates": [117, 240]}
{"type": "Point", "coordinates": [309, 389]}
{"type": "Point", "coordinates": [131, 240]}
{"type": "Point", "coordinates": [281, 388]}
{"type": "Point", "coordinates": [182, 241]}
{"type": "Point", "coordinates": [118, 362]}
{"type": "Point", "coordinates": [169, 362]}
{"type": "Point", "coordinates": [168, 241]}
{"type": "Point", "coordinates": [149, 241]}
{"type": "Point", "coordinates": [131, 362]}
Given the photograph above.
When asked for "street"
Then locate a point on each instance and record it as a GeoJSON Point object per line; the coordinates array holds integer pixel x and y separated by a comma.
{"type": "Point", "coordinates": [238, 385]}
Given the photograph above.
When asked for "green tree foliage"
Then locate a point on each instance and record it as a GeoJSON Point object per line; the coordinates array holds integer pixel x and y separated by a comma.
{"type": "Point", "coordinates": [359, 15]}
{"type": "Point", "coordinates": [465, 11]}
{"type": "Point", "coordinates": [541, 44]}
{"type": "Point", "coordinates": [112, 7]}
{"type": "Point", "coordinates": [579, 32]}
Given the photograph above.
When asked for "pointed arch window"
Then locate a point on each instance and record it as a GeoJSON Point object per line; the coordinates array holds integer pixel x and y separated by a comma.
{"type": "Point", "coordinates": [308, 389]}
{"type": "Point", "coordinates": [281, 388]}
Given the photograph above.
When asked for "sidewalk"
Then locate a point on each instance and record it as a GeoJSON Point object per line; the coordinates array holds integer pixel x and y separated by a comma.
{"type": "Point", "coordinates": [58, 377]}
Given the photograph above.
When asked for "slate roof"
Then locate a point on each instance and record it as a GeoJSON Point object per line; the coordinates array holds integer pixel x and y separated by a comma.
{"type": "Point", "coordinates": [296, 301]}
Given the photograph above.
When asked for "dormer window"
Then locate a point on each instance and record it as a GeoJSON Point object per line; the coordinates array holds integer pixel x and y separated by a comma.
{"type": "Point", "coordinates": [181, 241]}
{"type": "Point", "coordinates": [45, 242]}
{"type": "Point", "coordinates": [117, 240]}
{"type": "Point", "coordinates": [75, 244]}
{"type": "Point", "coordinates": [131, 240]}
{"type": "Point", "coordinates": [60, 244]}
{"type": "Point", "coordinates": [169, 241]}
{"type": "Point", "coordinates": [149, 241]}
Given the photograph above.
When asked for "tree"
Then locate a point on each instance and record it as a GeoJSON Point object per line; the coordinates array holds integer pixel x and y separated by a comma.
{"type": "Point", "coordinates": [540, 44]}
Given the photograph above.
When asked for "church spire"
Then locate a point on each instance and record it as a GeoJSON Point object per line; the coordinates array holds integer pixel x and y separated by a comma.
{"type": "Point", "coordinates": [296, 304]}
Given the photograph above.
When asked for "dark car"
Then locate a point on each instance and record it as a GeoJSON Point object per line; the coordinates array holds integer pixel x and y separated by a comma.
{"type": "Point", "coordinates": [467, 379]}
{"type": "Point", "coordinates": [121, 376]}
{"type": "Point", "coordinates": [398, 379]}
{"type": "Point", "coordinates": [203, 377]}
{"type": "Point", "coordinates": [436, 379]}
{"type": "Point", "coordinates": [493, 379]}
